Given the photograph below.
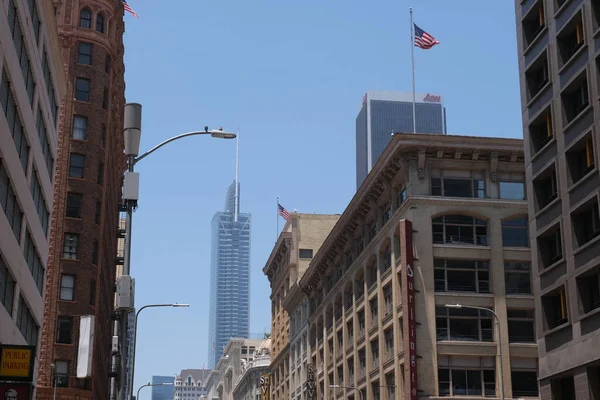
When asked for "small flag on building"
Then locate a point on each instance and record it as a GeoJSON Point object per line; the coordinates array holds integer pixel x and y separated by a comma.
{"type": "Point", "coordinates": [128, 8]}
{"type": "Point", "coordinates": [283, 212]}
{"type": "Point", "coordinates": [423, 39]}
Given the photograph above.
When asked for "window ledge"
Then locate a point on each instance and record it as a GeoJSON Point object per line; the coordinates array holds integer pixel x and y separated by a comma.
{"type": "Point", "coordinates": [535, 40]}
{"type": "Point", "coordinates": [461, 246]}
{"type": "Point", "coordinates": [543, 149]}
{"type": "Point", "coordinates": [526, 345]}
{"type": "Point", "coordinates": [587, 244]}
{"type": "Point", "coordinates": [465, 294]}
{"type": "Point", "coordinates": [519, 296]}
{"type": "Point", "coordinates": [589, 314]}
{"type": "Point", "coordinates": [546, 207]}
{"type": "Point", "coordinates": [552, 266]}
{"type": "Point", "coordinates": [577, 117]}
{"type": "Point", "coordinates": [539, 93]}
{"type": "Point", "coordinates": [518, 248]}
{"type": "Point", "coordinates": [80, 101]}
{"type": "Point", "coordinates": [561, 8]}
{"type": "Point", "coordinates": [572, 59]}
{"type": "Point", "coordinates": [468, 343]}
{"type": "Point", "coordinates": [557, 328]}
{"type": "Point", "coordinates": [582, 180]}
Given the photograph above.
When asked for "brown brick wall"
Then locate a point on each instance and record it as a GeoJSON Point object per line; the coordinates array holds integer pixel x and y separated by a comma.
{"type": "Point", "coordinates": [111, 156]}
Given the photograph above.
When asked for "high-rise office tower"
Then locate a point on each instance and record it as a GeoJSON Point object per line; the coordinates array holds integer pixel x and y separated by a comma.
{"type": "Point", "coordinates": [32, 83]}
{"type": "Point", "coordinates": [383, 113]}
{"type": "Point", "coordinates": [164, 387]}
{"type": "Point", "coordinates": [558, 64]}
{"type": "Point", "coordinates": [229, 275]}
{"type": "Point", "coordinates": [76, 348]}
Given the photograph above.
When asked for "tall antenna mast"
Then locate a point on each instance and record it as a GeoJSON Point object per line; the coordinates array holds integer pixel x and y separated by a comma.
{"type": "Point", "coordinates": [237, 174]}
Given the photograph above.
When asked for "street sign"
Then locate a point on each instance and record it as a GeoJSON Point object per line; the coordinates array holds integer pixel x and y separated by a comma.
{"type": "Point", "coordinates": [16, 363]}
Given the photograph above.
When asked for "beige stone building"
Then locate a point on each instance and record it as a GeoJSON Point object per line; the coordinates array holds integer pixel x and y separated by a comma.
{"type": "Point", "coordinates": [440, 220]}
{"type": "Point", "coordinates": [299, 240]}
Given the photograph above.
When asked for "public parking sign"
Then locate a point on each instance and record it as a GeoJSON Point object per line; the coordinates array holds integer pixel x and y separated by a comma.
{"type": "Point", "coordinates": [16, 363]}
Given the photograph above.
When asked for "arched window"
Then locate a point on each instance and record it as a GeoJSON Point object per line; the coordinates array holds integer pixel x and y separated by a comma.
{"type": "Point", "coordinates": [459, 229]}
{"type": "Point", "coordinates": [85, 19]}
{"type": "Point", "coordinates": [100, 23]}
{"type": "Point", "coordinates": [515, 232]}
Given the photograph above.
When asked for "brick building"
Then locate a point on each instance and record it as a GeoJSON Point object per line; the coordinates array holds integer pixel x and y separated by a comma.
{"type": "Point", "coordinates": [76, 337]}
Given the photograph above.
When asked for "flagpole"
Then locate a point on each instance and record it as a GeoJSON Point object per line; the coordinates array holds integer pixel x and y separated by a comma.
{"type": "Point", "coordinates": [412, 59]}
{"type": "Point", "coordinates": [277, 216]}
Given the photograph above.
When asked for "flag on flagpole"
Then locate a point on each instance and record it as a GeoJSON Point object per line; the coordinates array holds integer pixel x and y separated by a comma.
{"type": "Point", "coordinates": [423, 39]}
{"type": "Point", "coordinates": [128, 8]}
{"type": "Point", "coordinates": [283, 212]}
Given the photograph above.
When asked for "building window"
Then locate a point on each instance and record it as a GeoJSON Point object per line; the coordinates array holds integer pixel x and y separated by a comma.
{"type": "Point", "coordinates": [517, 277]}
{"type": "Point", "coordinates": [9, 203]}
{"type": "Point", "coordinates": [107, 63]}
{"type": "Point", "coordinates": [26, 323]}
{"type": "Point", "coordinates": [521, 326]}
{"type": "Point", "coordinates": [524, 384]}
{"type": "Point", "coordinates": [84, 53]}
{"type": "Point", "coordinates": [13, 118]}
{"type": "Point", "coordinates": [375, 353]}
{"type": "Point", "coordinates": [40, 203]}
{"type": "Point", "coordinates": [545, 188]}
{"type": "Point", "coordinates": [85, 19]}
{"type": "Point", "coordinates": [512, 190]}
{"type": "Point", "coordinates": [98, 214]}
{"type": "Point", "coordinates": [533, 23]}
{"type": "Point", "coordinates": [95, 253]}
{"type": "Point", "coordinates": [92, 292]}
{"type": "Point", "coordinates": [79, 128]}
{"type": "Point", "coordinates": [550, 247]}
{"type": "Point", "coordinates": [586, 222]}
{"type": "Point", "coordinates": [64, 330]}
{"type": "Point", "coordinates": [76, 165]}
{"type": "Point", "coordinates": [305, 253]}
{"type": "Point", "coordinates": [45, 143]}
{"type": "Point", "coordinates": [515, 232]}
{"type": "Point", "coordinates": [580, 159]}
{"type": "Point", "coordinates": [50, 86]}
{"type": "Point", "coordinates": [575, 98]}
{"type": "Point", "coordinates": [458, 187]}
{"type": "Point", "coordinates": [82, 89]}
{"type": "Point", "coordinates": [459, 229]}
{"type": "Point", "coordinates": [70, 246]}
{"type": "Point", "coordinates": [563, 388]}
{"type": "Point", "coordinates": [7, 287]}
{"type": "Point", "coordinates": [536, 77]}
{"type": "Point", "coordinates": [476, 378]}
{"type": "Point", "coordinates": [461, 276]}
{"type": "Point", "coordinates": [554, 308]}
{"type": "Point", "coordinates": [67, 287]}
{"type": "Point", "coordinates": [541, 131]}
{"type": "Point", "coordinates": [105, 99]}
{"type": "Point", "coordinates": [61, 374]}
{"type": "Point", "coordinates": [74, 201]}
{"type": "Point", "coordinates": [100, 23]}
{"type": "Point", "coordinates": [34, 262]}
{"type": "Point", "coordinates": [16, 30]}
{"type": "Point", "coordinates": [464, 324]}
{"type": "Point", "coordinates": [589, 290]}
{"type": "Point", "coordinates": [100, 174]}
{"type": "Point", "coordinates": [569, 40]}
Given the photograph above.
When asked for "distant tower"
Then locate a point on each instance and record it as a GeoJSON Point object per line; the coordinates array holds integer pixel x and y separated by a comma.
{"type": "Point", "coordinates": [78, 305]}
{"type": "Point", "coordinates": [230, 273]}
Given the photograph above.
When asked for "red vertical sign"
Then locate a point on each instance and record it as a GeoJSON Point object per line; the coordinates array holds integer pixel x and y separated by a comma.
{"type": "Point", "coordinates": [408, 296]}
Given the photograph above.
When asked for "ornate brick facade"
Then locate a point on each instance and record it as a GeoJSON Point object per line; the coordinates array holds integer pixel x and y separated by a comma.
{"type": "Point", "coordinates": [99, 25]}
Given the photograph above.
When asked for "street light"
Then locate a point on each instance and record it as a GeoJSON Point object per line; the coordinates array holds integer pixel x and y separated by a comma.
{"type": "Point", "coordinates": [497, 321]}
{"type": "Point", "coordinates": [135, 339]}
{"type": "Point", "coordinates": [150, 384]}
{"type": "Point", "coordinates": [53, 366]}
{"type": "Point", "coordinates": [348, 387]}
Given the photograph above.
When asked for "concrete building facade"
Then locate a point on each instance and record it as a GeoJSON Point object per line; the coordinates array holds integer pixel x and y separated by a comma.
{"type": "Point", "coordinates": [440, 220]}
{"type": "Point", "coordinates": [191, 384]}
{"type": "Point", "coordinates": [76, 347]}
{"type": "Point", "coordinates": [299, 240]}
{"type": "Point", "coordinates": [558, 63]}
{"type": "Point", "coordinates": [32, 83]}
{"type": "Point", "coordinates": [255, 374]}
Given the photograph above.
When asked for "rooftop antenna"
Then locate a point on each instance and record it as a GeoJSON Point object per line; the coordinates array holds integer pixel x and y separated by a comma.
{"type": "Point", "coordinates": [237, 173]}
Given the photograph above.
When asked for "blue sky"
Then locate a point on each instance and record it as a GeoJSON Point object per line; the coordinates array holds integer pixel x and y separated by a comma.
{"type": "Point", "coordinates": [291, 74]}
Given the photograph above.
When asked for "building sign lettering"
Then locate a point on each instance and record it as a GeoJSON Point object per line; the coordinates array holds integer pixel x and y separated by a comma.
{"type": "Point", "coordinates": [409, 299]}
{"type": "Point", "coordinates": [265, 387]}
{"type": "Point", "coordinates": [16, 363]}
{"type": "Point", "coordinates": [310, 382]}
{"type": "Point", "coordinates": [432, 98]}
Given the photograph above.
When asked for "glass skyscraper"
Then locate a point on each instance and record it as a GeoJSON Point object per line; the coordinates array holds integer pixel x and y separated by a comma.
{"type": "Point", "coordinates": [383, 113]}
{"type": "Point", "coordinates": [229, 276]}
{"type": "Point", "coordinates": [162, 392]}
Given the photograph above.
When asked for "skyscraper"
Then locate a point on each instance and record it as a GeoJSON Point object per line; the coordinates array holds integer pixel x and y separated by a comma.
{"type": "Point", "coordinates": [229, 275]}
{"type": "Point", "coordinates": [163, 392]}
{"type": "Point", "coordinates": [78, 304]}
{"type": "Point", "coordinates": [383, 113]}
{"type": "Point", "coordinates": [558, 65]}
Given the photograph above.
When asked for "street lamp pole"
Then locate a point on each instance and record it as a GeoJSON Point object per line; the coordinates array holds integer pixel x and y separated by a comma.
{"type": "Point", "coordinates": [362, 396]}
{"type": "Point", "coordinates": [135, 339]}
{"type": "Point", "coordinates": [149, 385]}
{"type": "Point", "coordinates": [497, 323]}
{"type": "Point", "coordinates": [53, 366]}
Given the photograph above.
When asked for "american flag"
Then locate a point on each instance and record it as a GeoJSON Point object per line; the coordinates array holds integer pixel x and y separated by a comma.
{"type": "Point", "coordinates": [423, 39]}
{"type": "Point", "coordinates": [129, 9]}
{"type": "Point", "coordinates": [283, 212]}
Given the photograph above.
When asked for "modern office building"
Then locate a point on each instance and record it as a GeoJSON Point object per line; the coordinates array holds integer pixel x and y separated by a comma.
{"type": "Point", "coordinates": [254, 378]}
{"type": "Point", "coordinates": [76, 340]}
{"type": "Point", "coordinates": [385, 112]}
{"type": "Point", "coordinates": [440, 220]}
{"type": "Point", "coordinates": [558, 63]}
{"type": "Point", "coordinates": [229, 276]}
{"type": "Point", "coordinates": [300, 239]}
{"type": "Point", "coordinates": [163, 392]}
{"type": "Point", "coordinates": [32, 83]}
{"type": "Point", "coordinates": [190, 384]}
